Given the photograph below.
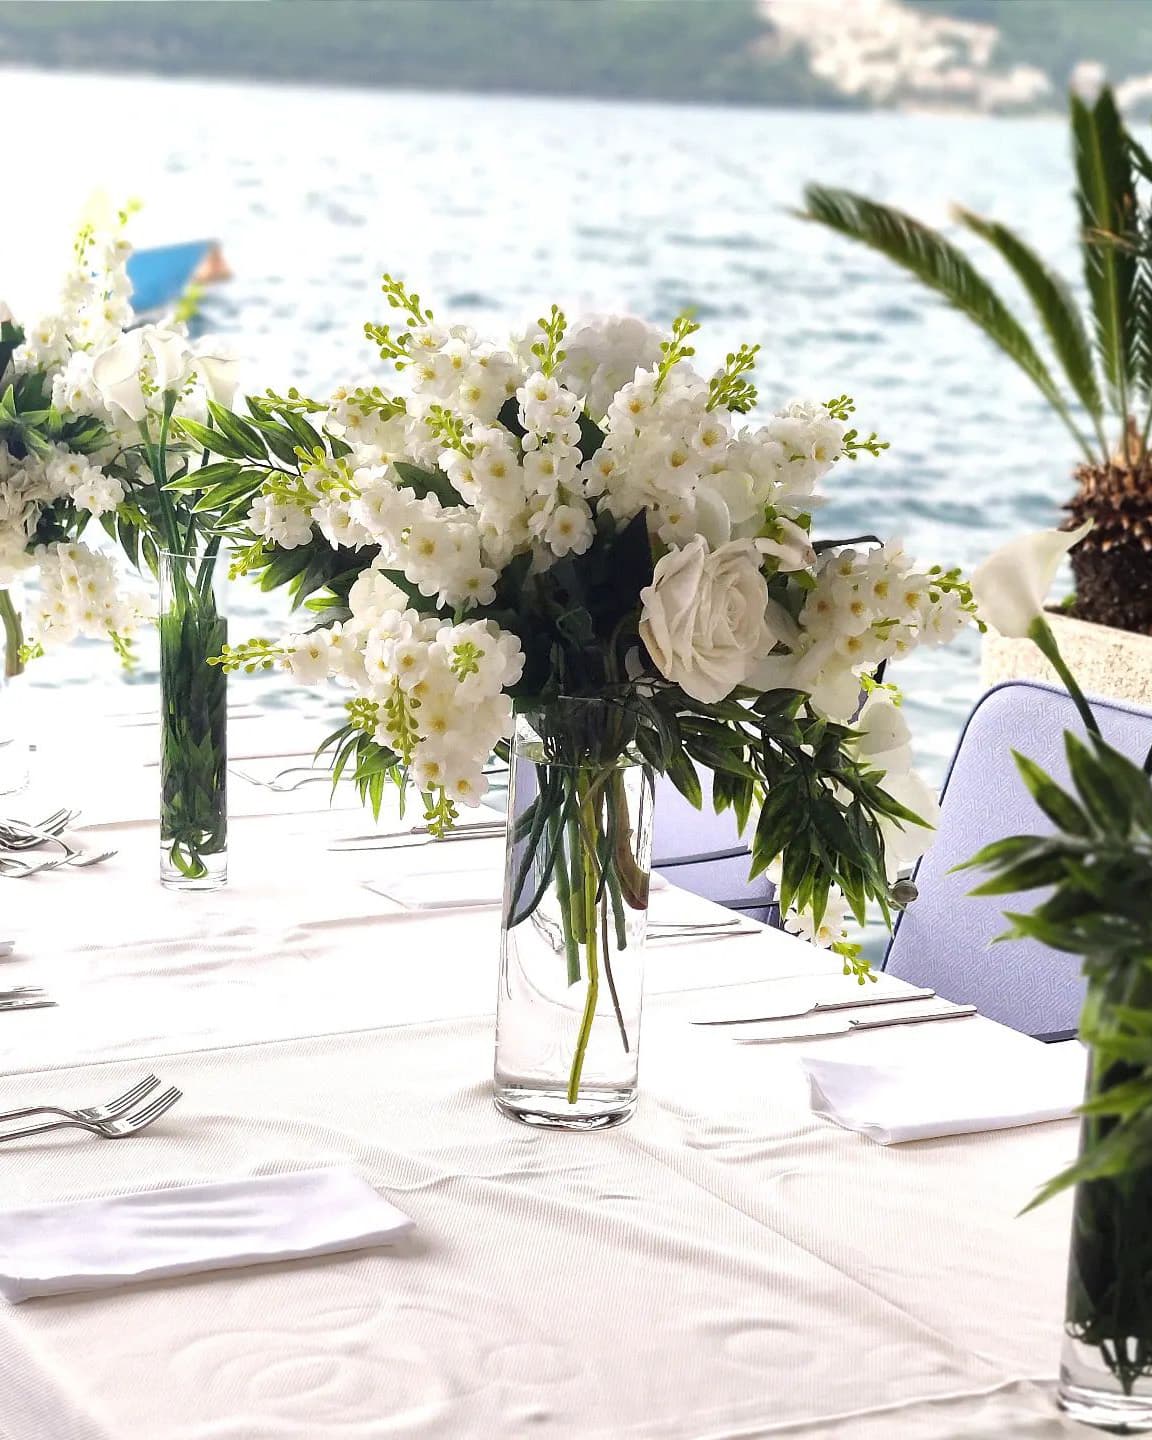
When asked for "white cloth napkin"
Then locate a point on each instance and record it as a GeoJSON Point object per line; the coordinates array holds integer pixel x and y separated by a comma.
{"type": "Point", "coordinates": [99, 1244]}
{"type": "Point", "coordinates": [948, 1095]}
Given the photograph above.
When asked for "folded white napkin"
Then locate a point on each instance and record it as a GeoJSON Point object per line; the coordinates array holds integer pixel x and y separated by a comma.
{"type": "Point", "coordinates": [99, 1244]}
{"type": "Point", "coordinates": [949, 1095]}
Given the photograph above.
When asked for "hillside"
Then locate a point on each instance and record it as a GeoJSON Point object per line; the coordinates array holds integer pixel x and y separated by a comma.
{"type": "Point", "coordinates": [983, 55]}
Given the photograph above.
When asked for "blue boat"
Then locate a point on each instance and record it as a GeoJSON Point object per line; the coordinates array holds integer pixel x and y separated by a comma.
{"type": "Point", "coordinates": [162, 276]}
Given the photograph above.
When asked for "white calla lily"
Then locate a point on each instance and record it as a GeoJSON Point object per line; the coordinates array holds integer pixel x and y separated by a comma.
{"type": "Point", "coordinates": [1010, 587]}
{"type": "Point", "coordinates": [218, 370]}
{"type": "Point", "coordinates": [171, 357]}
{"type": "Point", "coordinates": [116, 374]}
{"type": "Point", "coordinates": [791, 546]}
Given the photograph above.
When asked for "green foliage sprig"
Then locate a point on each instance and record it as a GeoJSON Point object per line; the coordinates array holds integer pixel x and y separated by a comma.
{"type": "Point", "coordinates": [731, 387]}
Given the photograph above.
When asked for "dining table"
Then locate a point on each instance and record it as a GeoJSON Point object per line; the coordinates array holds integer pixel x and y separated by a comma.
{"type": "Point", "coordinates": [726, 1265]}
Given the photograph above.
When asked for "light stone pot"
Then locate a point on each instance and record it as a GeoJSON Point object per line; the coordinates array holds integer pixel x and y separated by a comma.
{"type": "Point", "coordinates": [1115, 664]}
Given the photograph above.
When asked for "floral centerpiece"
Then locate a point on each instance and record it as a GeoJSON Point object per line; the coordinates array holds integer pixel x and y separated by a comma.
{"type": "Point", "coordinates": [88, 406]}
{"type": "Point", "coordinates": [575, 548]}
{"type": "Point", "coordinates": [1097, 870]}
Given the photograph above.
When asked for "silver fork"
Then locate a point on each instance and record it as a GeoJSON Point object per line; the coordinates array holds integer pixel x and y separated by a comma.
{"type": "Point", "coordinates": [83, 859]}
{"type": "Point", "coordinates": [19, 869]}
{"type": "Point", "coordinates": [117, 1129]}
{"type": "Point", "coordinates": [94, 1113]}
{"type": "Point", "coordinates": [17, 835]}
{"type": "Point", "coordinates": [280, 783]}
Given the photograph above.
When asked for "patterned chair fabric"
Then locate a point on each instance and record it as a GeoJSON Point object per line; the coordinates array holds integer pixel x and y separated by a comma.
{"type": "Point", "coordinates": [944, 938]}
{"type": "Point", "coordinates": [703, 852]}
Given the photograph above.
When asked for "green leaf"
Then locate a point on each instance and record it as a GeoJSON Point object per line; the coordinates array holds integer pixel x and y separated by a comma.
{"type": "Point", "coordinates": [1055, 306]}
{"type": "Point", "coordinates": [1109, 805]}
{"type": "Point", "coordinates": [427, 482]}
{"type": "Point", "coordinates": [205, 477]}
{"type": "Point", "coordinates": [239, 431]}
{"type": "Point", "coordinates": [1012, 848]}
{"type": "Point", "coordinates": [1060, 807]}
{"type": "Point", "coordinates": [937, 263]}
{"type": "Point", "coordinates": [228, 492]}
{"type": "Point", "coordinates": [683, 775]}
{"type": "Point", "coordinates": [1024, 875]}
{"type": "Point", "coordinates": [1106, 200]}
{"type": "Point", "coordinates": [213, 442]}
{"type": "Point", "coordinates": [279, 440]}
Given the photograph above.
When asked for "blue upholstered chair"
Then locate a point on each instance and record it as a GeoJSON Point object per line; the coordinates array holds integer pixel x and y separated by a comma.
{"type": "Point", "coordinates": [702, 852]}
{"type": "Point", "coordinates": [943, 939]}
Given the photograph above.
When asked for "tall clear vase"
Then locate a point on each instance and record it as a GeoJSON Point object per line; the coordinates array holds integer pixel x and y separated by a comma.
{"type": "Point", "coordinates": [574, 919]}
{"type": "Point", "coordinates": [1106, 1365]}
{"type": "Point", "coordinates": [14, 772]}
{"type": "Point", "coordinates": [193, 721]}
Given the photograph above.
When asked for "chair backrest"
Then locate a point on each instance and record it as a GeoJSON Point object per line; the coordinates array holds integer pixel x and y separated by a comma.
{"type": "Point", "coordinates": [703, 852]}
{"type": "Point", "coordinates": [943, 939]}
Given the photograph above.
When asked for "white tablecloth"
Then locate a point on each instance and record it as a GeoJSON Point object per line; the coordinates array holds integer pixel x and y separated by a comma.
{"type": "Point", "coordinates": [724, 1266]}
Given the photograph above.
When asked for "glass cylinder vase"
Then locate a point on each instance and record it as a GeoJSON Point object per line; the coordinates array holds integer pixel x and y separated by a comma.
{"type": "Point", "coordinates": [574, 919]}
{"type": "Point", "coordinates": [14, 773]}
{"type": "Point", "coordinates": [1106, 1365]}
{"type": "Point", "coordinates": [193, 721]}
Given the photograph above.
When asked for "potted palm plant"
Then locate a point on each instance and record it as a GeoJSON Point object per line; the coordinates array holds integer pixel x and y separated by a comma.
{"type": "Point", "coordinates": [1094, 369]}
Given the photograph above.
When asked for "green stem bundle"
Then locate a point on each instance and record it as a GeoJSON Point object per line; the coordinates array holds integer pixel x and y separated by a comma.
{"type": "Point", "coordinates": [13, 636]}
{"type": "Point", "coordinates": [194, 708]}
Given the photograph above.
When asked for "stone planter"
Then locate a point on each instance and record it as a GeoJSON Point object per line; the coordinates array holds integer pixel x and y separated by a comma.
{"type": "Point", "coordinates": [1115, 664]}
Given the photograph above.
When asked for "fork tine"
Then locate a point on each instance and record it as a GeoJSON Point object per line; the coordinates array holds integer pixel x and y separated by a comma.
{"type": "Point", "coordinates": [130, 1097]}
{"type": "Point", "coordinates": [153, 1111]}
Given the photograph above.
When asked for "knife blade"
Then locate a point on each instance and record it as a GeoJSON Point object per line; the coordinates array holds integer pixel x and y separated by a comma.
{"type": "Point", "coordinates": [419, 835]}
{"type": "Point", "coordinates": [27, 1005]}
{"type": "Point", "coordinates": [820, 1007]}
{"type": "Point", "coordinates": [958, 1012]}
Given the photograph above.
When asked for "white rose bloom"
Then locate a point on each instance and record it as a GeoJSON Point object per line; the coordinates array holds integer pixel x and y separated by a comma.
{"type": "Point", "coordinates": [1011, 585]}
{"type": "Point", "coordinates": [704, 617]}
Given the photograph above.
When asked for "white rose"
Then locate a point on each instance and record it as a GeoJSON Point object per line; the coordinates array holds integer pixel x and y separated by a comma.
{"type": "Point", "coordinates": [704, 617]}
{"type": "Point", "coordinates": [1011, 585]}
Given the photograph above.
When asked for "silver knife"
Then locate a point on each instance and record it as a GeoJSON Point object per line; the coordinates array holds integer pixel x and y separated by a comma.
{"type": "Point", "coordinates": [820, 1007]}
{"type": "Point", "coordinates": [958, 1012]}
{"type": "Point", "coordinates": [418, 835]}
{"type": "Point", "coordinates": [27, 1005]}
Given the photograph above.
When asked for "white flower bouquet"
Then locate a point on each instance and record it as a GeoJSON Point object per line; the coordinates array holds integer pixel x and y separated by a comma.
{"type": "Point", "coordinates": [580, 516]}
{"type": "Point", "coordinates": [85, 406]}
{"type": "Point", "coordinates": [89, 403]}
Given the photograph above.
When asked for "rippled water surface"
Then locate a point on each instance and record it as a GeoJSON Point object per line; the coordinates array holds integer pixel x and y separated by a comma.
{"type": "Point", "coordinates": [494, 207]}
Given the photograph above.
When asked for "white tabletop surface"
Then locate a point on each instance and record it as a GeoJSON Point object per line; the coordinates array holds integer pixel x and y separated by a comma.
{"type": "Point", "coordinates": [725, 1266]}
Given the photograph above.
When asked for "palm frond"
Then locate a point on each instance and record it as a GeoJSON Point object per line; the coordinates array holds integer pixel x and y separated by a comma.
{"type": "Point", "coordinates": [1106, 199]}
{"type": "Point", "coordinates": [937, 263]}
{"type": "Point", "coordinates": [1055, 306]}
